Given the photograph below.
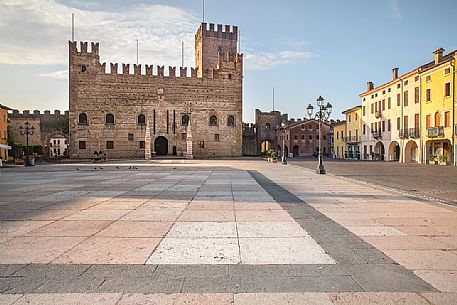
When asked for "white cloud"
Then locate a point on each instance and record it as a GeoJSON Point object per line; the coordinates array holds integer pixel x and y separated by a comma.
{"type": "Point", "coordinates": [63, 74]}
{"type": "Point", "coordinates": [269, 60]}
{"type": "Point", "coordinates": [45, 28]}
{"type": "Point", "coordinates": [395, 11]}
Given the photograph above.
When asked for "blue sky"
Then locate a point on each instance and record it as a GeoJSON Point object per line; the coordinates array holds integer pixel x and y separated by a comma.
{"type": "Point", "coordinates": [302, 48]}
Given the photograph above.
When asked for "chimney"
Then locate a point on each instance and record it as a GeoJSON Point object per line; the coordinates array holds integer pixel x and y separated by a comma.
{"type": "Point", "coordinates": [438, 55]}
{"type": "Point", "coordinates": [394, 73]}
{"type": "Point", "coordinates": [370, 86]}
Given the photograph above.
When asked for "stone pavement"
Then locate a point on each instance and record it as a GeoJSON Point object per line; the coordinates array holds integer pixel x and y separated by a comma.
{"type": "Point", "coordinates": [217, 232]}
{"type": "Point", "coordinates": [427, 181]}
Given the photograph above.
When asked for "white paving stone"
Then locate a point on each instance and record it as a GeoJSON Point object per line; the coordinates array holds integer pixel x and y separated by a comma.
{"type": "Point", "coordinates": [270, 229]}
{"type": "Point", "coordinates": [302, 250]}
{"type": "Point", "coordinates": [203, 230]}
{"type": "Point", "coordinates": [196, 251]}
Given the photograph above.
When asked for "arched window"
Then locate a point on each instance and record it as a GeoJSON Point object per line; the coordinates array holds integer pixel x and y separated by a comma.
{"type": "Point", "coordinates": [141, 119]}
{"type": "Point", "coordinates": [185, 120]}
{"type": "Point", "coordinates": [82, 119]}
{"type": "Point", "coordinates": [437, 119]}
{"type": "Point", "coordinates": [109, 118]}
{"type": "Point", "coordinates": [268, 126]}
{"type": "Point", "coordinates": [213, 120]}
{"type": "Point", "coordinates": [231, 120]}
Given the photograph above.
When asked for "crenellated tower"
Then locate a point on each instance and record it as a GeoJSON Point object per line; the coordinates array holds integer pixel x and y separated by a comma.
{"type": "Point", "coordinates": [209, 42]}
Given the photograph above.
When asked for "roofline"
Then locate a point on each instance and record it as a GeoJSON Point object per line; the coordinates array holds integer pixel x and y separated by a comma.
{"type": "Point", "coordinates": [5, 107]}
{"type": "Point", "coordinates": [393, 81]}
{"type": "Point", "coordinates": [352, 109]}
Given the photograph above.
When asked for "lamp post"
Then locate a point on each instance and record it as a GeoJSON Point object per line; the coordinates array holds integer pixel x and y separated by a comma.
{"type": "Point", "coordinates": [322, 115]}
{"type": "Point", "coordinates": [282, 129]}
{"type": "Point", "coordinates": [27, 131]}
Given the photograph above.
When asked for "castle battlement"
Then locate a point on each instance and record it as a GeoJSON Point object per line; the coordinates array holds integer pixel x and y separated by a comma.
{"type": "Point", "coordinates": [36, 113]}
{"type": "Point", "coordinates": [224, 32]}
{"type": "Point", "coordinates": [230, 57]}
{"type": "Point", "coordinates": [83, 47]}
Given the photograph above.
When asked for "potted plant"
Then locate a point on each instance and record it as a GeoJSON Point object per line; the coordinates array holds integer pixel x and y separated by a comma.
{"type": "Point", "coordinates": [432, 159]}
{"type": "Point", "coordinates": [271, 155]}
{"type": "Point", "coordinates": [442, 159]}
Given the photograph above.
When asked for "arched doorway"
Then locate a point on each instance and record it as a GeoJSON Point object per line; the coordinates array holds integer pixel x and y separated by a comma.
{"type": "Point", "coordinates": [161, 146]}
{"type": "Point", "coordinates": [295, 150]}
{"type": "Point", "coordinates": [379, 151]}
{"type": "Point", "coordinates": [286, 150]}
{"type": "Point", "coordinates": [394, 151]}
{"type": "Point", "coordinates": [174, 151]}
{"type": "Point", "coordinates": [265, 146]}
{"type": "Point", "coordinates": [411, 152]}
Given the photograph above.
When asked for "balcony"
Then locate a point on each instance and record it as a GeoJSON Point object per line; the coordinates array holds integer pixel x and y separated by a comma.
{"type": "Point", "coordinates": [413, 133]}
{"type": "Point", "coordinates": [378, 114]}
{"type": "Point", "coordinates": [434, 132]}
{"type": "Point", "coordinates": [376, 135]}
{"type": "Point", "coordinates": [352, 139]}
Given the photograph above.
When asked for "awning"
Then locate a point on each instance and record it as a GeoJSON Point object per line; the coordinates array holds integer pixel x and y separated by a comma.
{"type": "Point", "coordinates": [3, 146]}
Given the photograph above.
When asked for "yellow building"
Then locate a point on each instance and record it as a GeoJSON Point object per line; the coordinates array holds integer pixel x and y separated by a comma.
{"type": "Point", "coordinates": [4, 132]}
{"type": "Point", "coordinates": [339, 145]}
{"type": "Point", "coordinates": [353, 132]}
{"type": "Point", "coordinates": [438, 108]}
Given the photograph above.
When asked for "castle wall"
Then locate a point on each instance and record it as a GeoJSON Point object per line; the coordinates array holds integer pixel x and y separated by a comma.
{"type": "Point", "coordinates": [250, 145]}
{"type": "Point", "coordinates": [162, 98]}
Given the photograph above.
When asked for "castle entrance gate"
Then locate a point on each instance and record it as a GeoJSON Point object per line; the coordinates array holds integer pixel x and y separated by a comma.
{"type": "Point", "coordinates": [161, 146]}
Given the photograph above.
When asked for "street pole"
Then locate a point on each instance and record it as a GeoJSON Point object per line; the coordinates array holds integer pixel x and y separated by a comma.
{"type": "Point", "coordinates": [284, 161]}
{"type": "Point", "coordinates": [320, 167]}
{"type": "Point", "coordinates": [27, 161]}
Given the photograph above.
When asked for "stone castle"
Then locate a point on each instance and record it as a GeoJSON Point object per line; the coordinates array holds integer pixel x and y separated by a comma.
{"type": "Point", "coordinates": [147, 111]}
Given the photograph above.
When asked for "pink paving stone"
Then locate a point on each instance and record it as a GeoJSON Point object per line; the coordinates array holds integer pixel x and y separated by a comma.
{"type": "Point", "coordinates": [42, 250]}
{"type": "Point", "coordinates": [118, 205]}
{"type": "Point", "coordinates": [70, 299]}
{"type": "Point", "coordinates": [70, 228]}
{"type": "Point", "coordinates": [136, 229]}
{"type": "Point", "coordinates": [449, 240]}
{"type": "Point", "coordinates": [262, 215]}
{"type": "Point", "coordinates": [107, 250]}
{"type": "Point", "coordinates": [282, 298]}
{"type": "Point", "coordinates": [93, 214]}
{"type": "Point", "coordinates": [375, 231]}
{"type": "Point", "coordinates": [445, 281]}
{"type": "Point", "coordinates": [213, 216]}
{"type": "Point", "coordinates": [429, 230]}
{"type": "Point", "coordinates": [424, 259]}
{"type": "Point", "coordinates": [404, 221]}
{"type": "Point", "coordinates": [148, 299]}
{"type": "Point", "coordinates": [440, 298]}
{"type": "Point", "coordinates": [204, 299]}
{"type": "Point", "coordinates": [404, 242]}
{"type": "Point", "coordinates": [209, 206]}
{"type": "Point", "coordinates": [166, 215]}
{"type": "Point", "coordinates": [381, 298]}
{"type": "Point", "coordinates": [358, 222]}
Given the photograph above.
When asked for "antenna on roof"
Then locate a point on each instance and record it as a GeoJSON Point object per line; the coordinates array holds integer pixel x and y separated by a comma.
{"type": "Point", "coordinates": [182, 54]}
{"type": "Point", "coordinates": [273, 99]}
{"type": "Point", "coordinates": [203, 15]}
{"type": "Point", "coordinates": [72, 27]}
{"type": "Point", "coordinates": [239, 41]}
{"type": "Point", "coordinates": [137, 47]}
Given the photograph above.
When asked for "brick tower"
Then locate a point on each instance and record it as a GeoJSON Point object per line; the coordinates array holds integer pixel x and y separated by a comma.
{"type": "Point", "coordinates": [209, 42]}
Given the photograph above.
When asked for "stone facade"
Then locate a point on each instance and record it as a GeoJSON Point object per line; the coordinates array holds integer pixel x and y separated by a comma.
{"type": "Point", "coordinates": [267, 123]}
{"type": "Point", "coordinates": [302, 138]}
{"type": "Point", "coordinates": [46, 126]}
{"type": "Point", "coordinates": [114, 112]}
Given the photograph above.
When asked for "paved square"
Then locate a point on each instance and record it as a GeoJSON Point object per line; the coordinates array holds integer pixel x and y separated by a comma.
{"type": "Point", "coordinates": [200, 232]}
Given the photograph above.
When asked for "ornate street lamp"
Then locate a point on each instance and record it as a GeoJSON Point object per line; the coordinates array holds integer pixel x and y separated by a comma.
{"type": "Point", "coordinates": [27, 131]}
{"type": "Point", "coordinates": [282, 128]}
{"type": "Point", "coordinates": [322, 115]}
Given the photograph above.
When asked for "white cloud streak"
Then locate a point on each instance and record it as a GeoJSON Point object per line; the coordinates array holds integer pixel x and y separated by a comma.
{"type": "Point", "coordinates": [45, 28]}
{"type": "Point", "coordinates": [270, 60]}
{"type": "Point", "coordinates": [63, 74]}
